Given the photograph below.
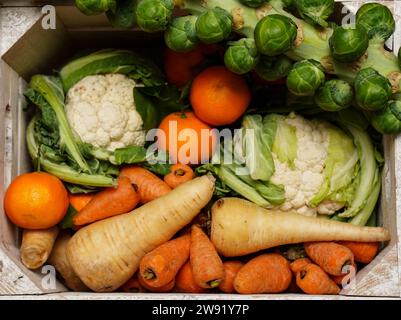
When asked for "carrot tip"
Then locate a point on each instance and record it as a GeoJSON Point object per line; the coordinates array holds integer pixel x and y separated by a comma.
{"type": "Point", "coordinates": [149, 274]}
{"type": "Point", "coordinates": [179, 172]}
{"type": "Point", "coordinates": [214, 283]}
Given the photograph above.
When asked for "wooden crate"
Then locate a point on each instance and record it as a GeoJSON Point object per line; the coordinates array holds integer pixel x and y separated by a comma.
{"type": "Point", "coordinates": [29, 49]}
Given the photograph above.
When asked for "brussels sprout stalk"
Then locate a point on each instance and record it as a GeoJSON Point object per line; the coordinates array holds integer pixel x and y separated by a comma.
{"type": "Point", "coordinates": [311, 43]}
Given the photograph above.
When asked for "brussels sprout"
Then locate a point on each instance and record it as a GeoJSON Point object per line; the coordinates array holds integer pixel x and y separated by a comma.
{"type": "Point", "coordinates": [305, 77]}
{"type": "Point", "coordinates": [334, 95]}
{"type": "Point", "coordinates": [253, 3]}
{"type": "Point", "coordinates": [214, 25]}
{"type": "Point", "coordinates": [93, 7]}
{"type": "Point", "coordinates": [124, 15]}
{"type": "Point", "coordinates": [181, 34]}
{"type": "Point", "coordinates": [274, 68]}
{"type": "Point", "coordinates": [388, 120]}
{"type": "Point", "coordinates": [347, 44]}
{"type": "Point", "coordinates": [154, 15]}
{"type": "Point", "coordinates": [377, 20]}
{"type": "Point", "coordinates": [315, 11]}
{"type": "Point", "coordinates": [241, 56]}
{"type": "Point", "coordinates": [372, 90]}
{"type": "Point", "coordinates": [275, 34]}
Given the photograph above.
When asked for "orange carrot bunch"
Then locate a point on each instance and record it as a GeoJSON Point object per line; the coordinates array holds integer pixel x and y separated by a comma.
{"type": "Point", "coordinates": [207, 267]}
{"type": "Point", "coordinates": [150, 186]}
{"type": "Point", "coordinates": [267, 273]}
{"type": "Point", "coordinates": [159, 267]}
{"type": "Point", "coordinates": [364, 252]}
{"type": "Point", "coordinates": [313, 280]}
{"type": "Point", "coordinates": [231, 269]}
{"type": "Point", "coordinates": [108, 203]}
{"type": "Point", "coordinates": [331, 257]}
{"type": "Point", "coordinates": [185, 281]}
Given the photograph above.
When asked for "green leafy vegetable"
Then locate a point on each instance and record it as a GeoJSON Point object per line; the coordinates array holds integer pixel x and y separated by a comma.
{"type": "Point", "coordinates": [241, 56]}
{"type": "Point", "coordinates": [388, 120]}
{"type": "Point", "coordinates": [112, 61]}
{"type": "Point", "coordinates": [377, 20]}
{"type": "Point", "coordinates": [154, 15]}
{"type": "Point", "coordinates": [368, 175]}
{"type": "Point", "coordinates": [51, 90]}
{"type": "Point", "coordinates": [339, 169]}
{"type": "Point", "coordinates": [214, 25]}
{"type": "Point", "coordinates": [305, 78]}
{"type": "Point", "coordinates": [94, 7]}
{"type": "Point", "coordinates": [372, 90]}
{"type": "Point", "coordinates": [68, 222]}
{"type": "Point", "coordinates": [274, 68]}
{"type": "Point", "coordinates": [348, 45]}
{"type": "Point", "coordinates": [124, 14]}
{"type": "Point", "coordinates": [275, 34]}
{"type": "Point", "coordinates": [43, 159]}
{"type": "Point", "coordinates": [315, 11]}
{"type": "Point", "coordinates": [334, 95]}
{"type": "Point", "coordinates": [181, 34]}
{"type": "Point", "coordinates": [147, 109]}
{"type": "Point", "coordinates": [256, 150]}
{"type": "Point", "coordinates": [285, 143]}
{"type": "Point", "coordinates": [253, 3]}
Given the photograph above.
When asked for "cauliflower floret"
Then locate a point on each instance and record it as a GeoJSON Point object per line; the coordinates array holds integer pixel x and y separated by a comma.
{"type": "Point", "coordinates": [329, 207]}
{"type": "Point", "coordinates": [102, 111]}
{"type": "Point", "coordinates": [303, 181]}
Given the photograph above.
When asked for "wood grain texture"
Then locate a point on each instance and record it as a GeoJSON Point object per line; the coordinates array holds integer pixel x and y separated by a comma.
{"type": "Point", "coordinates": [13, 280]}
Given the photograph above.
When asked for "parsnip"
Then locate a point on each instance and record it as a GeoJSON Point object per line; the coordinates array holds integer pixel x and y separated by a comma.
{"type": "Point", "coordinates": [36, 246]}
{"type": "Point", "coordinates": [58, 259]}
{"type": "Point", "coordinates": [240, 227]}
{"type": "Point", "coordinates": [107, 253]}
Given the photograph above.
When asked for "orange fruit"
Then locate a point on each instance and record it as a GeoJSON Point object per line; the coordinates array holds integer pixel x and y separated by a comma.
{"type": "Point", "coordinates": [182, 67]}
{"type": "Point", "coordinates": [187, 139]}
{"type": "Point", "coordinates": [36, 200]}
{"type": "Point", "coordinates": [79, 201]}
{"type": "Point", "coordinates": [219, 97]}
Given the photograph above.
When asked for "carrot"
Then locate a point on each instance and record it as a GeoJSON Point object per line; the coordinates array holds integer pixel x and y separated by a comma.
{"type": "Point", "coordinates": [207, 267]}
{"type": "Point", "coordinates": [166, 288]}
{"type": "Point", "coordinates": [36, 246]}
{"type": "Point", "coordinates": [180, 173]}
{"type": "Point", "coordinates": [185, 282]}
{"type": "Point", "coordinates": [313, 280]}
{"type": "Point", "coordinates": [150, 186]}
{"type": "Point", "coordinates": [348, 274]}
{"type": "Point", "coordinates": [160, 266]}
{"type": "Point", "coordinates": [240, 227]}
{"type": "Point", "coordinates": [267, 273]}
{"type": "Point", "coordinates": [364, 252]}
{"type": "Point", "coordinates": [79, 201]}
{"type": "Point", "coordinates": [231, 269]}
{"type": "Point", "coordinates": [133, 286]}
{"type": "Point", "coordinates": [293, 288]}
{"type": "Point", "coordinates": [109, 202]}
{"type": "Point", "coordinates": [331, 257]}
{"type": "Point", "coordinates": [299, 264]}
{"type": "Point", "coordinates": [107, 253]}
{"type": "Point", "coordinates": [295, 266]}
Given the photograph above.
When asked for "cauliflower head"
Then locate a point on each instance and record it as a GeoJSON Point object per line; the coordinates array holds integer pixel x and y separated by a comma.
{"type": "Point", "coordinates": [315, 162]}
{"type": "Point", "coordinates": [102, 111]}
